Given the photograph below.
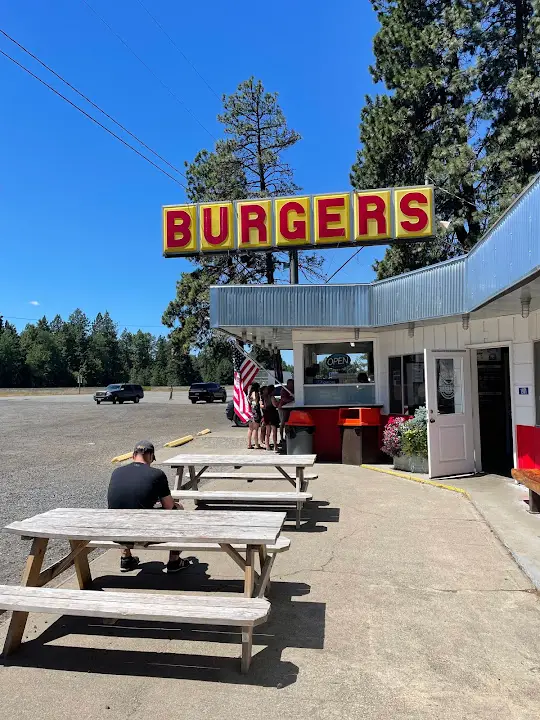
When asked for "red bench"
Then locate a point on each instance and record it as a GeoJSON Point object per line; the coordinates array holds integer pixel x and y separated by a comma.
{"type": "Point", "coordinates": [531, 479]}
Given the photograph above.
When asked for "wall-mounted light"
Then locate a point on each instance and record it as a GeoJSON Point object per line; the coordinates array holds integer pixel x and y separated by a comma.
{"type": "Point", "coordinates": [525, 303]}
{"type": "Point", "coordinates": [263, 342]}
{"type": "Point", "coordinates": [465, 321]}
{"type": "Point", "coordinates": [356, 333]}
{"type": "Point", "coordinates": [352, 344]}
{"type": "Point", "coordinates": [410, 330]}
{"type": "Point", "coordinates": [274, 334]}
{"type": "Point", "coordinates": [244, 336]}
{"type": "Point", "coordinates": [253, 339]}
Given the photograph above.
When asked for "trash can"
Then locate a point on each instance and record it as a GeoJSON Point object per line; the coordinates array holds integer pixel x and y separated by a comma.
{"type": "Point", "coordinates": [359, 435]}
{"type": "Point", "coordinates": [299, 430]}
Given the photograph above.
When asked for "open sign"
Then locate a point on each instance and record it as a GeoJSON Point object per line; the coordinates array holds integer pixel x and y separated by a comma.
{"type": "Point", "coordinates": [338, 360]}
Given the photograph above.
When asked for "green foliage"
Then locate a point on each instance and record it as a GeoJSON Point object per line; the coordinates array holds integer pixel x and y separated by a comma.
{"type": "Point", "coordinates": [462, 109]}
{"type": "Point", "coordinates": [214, 363]}
{"type": "Point", "coordinates": [54, 354]}
{"type": "Point", "coordinates": [248, 163]}
{"type": "Point", "coordinates": [414, 435]}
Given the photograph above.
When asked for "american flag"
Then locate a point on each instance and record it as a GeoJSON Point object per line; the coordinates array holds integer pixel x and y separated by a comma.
{"type": "Point", "coordinates": [245, 371]}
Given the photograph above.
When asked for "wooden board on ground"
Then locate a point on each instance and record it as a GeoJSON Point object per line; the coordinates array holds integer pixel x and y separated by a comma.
{"type": "Point", "coordinates": [240, 496]}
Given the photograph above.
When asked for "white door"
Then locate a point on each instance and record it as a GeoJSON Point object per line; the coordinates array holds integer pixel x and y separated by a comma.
{"type": "Point", "coordinates": [449, 411]}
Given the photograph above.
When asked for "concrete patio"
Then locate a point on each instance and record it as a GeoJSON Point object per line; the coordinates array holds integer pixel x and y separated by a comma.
{"type": "Point", "coordinates": [395, 601]}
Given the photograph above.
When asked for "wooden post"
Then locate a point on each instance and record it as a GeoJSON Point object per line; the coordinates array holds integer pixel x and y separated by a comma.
{"type": "Point", "coordinates": [31, 578]}
{"type": "Point", "coordinates": [249, 572]}
{"type": "Point", "coordinates": [247, 645]}
{"type": "Point", "coordinates": [299, 479]}
{"type": "Point", "coordinates": [178, 477]}
{"type": "Point", "coordinates": [82, 567]}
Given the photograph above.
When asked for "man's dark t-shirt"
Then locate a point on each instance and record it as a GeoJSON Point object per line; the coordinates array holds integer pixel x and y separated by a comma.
{"type": "Point", "coordinates": [137, 486]}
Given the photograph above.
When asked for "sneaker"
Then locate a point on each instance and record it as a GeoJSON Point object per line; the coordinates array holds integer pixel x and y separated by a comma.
{"type": "Point", "coordinates": [129, 563]}
{"type": "Point", "coordinates": [174, 566]}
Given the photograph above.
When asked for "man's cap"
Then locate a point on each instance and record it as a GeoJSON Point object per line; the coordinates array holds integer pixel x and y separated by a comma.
{"type": "Point", "coordinates": [143, 447]}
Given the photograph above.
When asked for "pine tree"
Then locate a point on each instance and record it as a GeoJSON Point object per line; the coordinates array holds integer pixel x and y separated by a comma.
{"type": "Point", "coordinates": [509, 80]}
{"type": "Point", "coordinates": [425, 128]}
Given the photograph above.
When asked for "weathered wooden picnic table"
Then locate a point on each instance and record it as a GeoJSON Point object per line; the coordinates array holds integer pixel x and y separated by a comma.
{"type": "Point", "coordinates": [254, 530]}
{"type": "Point", "coordinates": [282, 463]}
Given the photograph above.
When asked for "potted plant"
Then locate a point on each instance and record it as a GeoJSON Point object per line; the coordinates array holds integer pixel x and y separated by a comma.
{"type": "Point", "coordinates": [392, 437]}
{"type": "Point", "coordinates": [414, 445]}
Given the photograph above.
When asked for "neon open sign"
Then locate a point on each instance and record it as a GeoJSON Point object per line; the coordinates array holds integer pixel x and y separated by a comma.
{"type": "Point", "coordinates": [341, 219]}
{"type": "Point", "coordinates": [338, 360]}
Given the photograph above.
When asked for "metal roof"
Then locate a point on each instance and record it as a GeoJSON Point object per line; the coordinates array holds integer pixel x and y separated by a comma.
{"type": "Point", "coordinates": [507, 256]}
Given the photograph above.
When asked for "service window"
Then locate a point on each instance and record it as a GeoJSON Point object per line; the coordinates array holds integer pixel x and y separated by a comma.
{"type": "Point", "coordinates": [346, 369]}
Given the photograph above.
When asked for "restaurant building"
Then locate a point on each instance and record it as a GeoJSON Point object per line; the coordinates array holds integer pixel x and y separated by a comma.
{"type": "Point", "coordinates": [461, 337]}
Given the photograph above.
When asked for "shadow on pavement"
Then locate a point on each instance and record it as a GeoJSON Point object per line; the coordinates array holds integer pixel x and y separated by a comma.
{"type": "Point", "coordinates": [292, 624]}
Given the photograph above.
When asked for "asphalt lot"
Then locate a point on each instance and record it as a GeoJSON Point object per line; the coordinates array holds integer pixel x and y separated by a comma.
{"type": "Point", "coordinates": [56, 451]}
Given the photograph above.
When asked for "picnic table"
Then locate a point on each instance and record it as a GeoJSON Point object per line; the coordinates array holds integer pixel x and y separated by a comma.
{"type": "Point", "coordinates": [282, 463]}
{"type": "Point", "coordinates": [252, 530]}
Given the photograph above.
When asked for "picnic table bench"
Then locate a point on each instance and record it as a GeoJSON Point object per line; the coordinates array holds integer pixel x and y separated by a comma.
{"type": "Point", "coordinates": [253, 531]}
{"type": "Point", "coordinates": [531, 480]}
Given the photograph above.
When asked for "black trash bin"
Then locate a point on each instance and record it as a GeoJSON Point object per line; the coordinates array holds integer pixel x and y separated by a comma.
{"type": "Point", "coordinates": [299, 430]}
{"type": "Point", "coordinates": [359, 435]}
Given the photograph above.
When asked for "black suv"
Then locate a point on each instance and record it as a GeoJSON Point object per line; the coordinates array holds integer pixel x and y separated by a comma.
{"type": "Point", "coordinates": [119, 393]}
{"type": "Point", "coordinates": [207, 391]}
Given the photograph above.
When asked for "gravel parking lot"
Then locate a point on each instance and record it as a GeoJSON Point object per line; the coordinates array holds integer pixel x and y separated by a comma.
{"type": "Point", "coordinates": [56, 452]}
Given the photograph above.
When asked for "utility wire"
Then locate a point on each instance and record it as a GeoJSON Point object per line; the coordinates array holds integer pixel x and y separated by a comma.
{"type": "Point", "coordinates": [173, 94]}
{"type": "Point", "coordinates": [93, 119]}
{"type": "Point", "coordinates": [160, 26]}
{"type": "Point", "coordinates": [342, 266]}
{"type": "Point", "coordinates": [122, 127]}
{"type": "Point", "coordinates": [468, 202]}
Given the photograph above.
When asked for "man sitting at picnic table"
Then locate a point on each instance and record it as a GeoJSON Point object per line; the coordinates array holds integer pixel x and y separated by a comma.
{"type": "Point", "coordinates": [138, 486]}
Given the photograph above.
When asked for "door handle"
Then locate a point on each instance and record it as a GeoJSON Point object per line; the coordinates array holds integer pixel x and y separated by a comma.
{"type": "Point", "coordinates": [431, 420]}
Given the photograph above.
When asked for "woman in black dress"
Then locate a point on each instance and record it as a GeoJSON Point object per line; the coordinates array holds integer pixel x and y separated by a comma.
{"type": "Point", "coordinates": [271, 417]}
{"type": "Point", "coordinates": [253, 426]}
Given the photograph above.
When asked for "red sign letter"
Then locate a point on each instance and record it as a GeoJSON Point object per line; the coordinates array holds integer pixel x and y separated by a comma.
{"type": "Point", "coordinates": [297, 230]}
{"type": "Point", "coordinates": [257, 221]}
{"type": "Point", "coordinates": [223, 226]}
{"type": "Point", "coordinates": [182, 228]}
{"type": "Point", "coordinates": [326, 217]}
{"type": "Point", "coordinates": [365, 213]}
{"type": "Point", "coordinates": [414, 212]}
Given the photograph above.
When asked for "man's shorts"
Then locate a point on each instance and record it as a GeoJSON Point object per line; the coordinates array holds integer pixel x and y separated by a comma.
{"type": "Point", "coordinates": [283, 415]}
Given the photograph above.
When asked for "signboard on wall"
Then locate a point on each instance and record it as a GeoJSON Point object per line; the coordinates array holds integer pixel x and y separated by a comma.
{"type": "Point", "coordinates": [370, 217]}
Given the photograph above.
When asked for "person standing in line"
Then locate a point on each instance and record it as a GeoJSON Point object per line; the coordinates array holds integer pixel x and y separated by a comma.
{"type": "Point", "coordinates": [262, 429]}
{"type": "Point", "coordinates": [271, 418]}
{"type": "Point", "coordinates": [286, 397]}
{"type": "Point", "coordinates": [138, 486]}
{"type": "Point", "coordinates": [254, 399]}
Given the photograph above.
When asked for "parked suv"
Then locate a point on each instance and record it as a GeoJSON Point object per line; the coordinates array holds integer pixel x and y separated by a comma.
{"type": "Point", "coordinates": [119, 393]}
{"type": "Point", "coordinates": [207, 391]}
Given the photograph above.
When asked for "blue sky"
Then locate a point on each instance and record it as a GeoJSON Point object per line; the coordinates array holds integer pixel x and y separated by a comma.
{"type": "Point", "coordinates": [80, 213]}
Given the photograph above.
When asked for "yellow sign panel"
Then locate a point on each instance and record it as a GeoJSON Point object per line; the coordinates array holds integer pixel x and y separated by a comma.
{"type": "Point", "coordinates": [332, 218]}
{"type": "Point", "coordinates": [346, 219]}
{"type": "Point", "coordinates": [216, 227]}
{"type": "Point", "coordinates": [180, 230]}
{"type": "Point", "coordinates": [372, 215]}
{"type": "Point", "coordinates": [293, 221]}
{"type": "Point", "coordinates": [414, 212]}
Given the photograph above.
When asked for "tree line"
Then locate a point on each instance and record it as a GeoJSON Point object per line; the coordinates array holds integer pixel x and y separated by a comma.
{"type": "Point", "coordinates": [59, 352]}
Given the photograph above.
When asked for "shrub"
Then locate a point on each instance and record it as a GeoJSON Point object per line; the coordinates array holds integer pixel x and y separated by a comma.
{"type": "Point", "coordinates": [392, 436]}
{"type": "Point", "coordinates": [414, 434]}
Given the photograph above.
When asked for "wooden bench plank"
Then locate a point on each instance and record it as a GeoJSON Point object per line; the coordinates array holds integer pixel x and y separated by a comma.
{"type": "Point", "coordinates": [204, 610]}
{"type": "Point", "coordinates": [233, 496]}
{"type": "Point", "coordinates": [280, 545]}
{"type": "Point", "coordinates": [243, 460]}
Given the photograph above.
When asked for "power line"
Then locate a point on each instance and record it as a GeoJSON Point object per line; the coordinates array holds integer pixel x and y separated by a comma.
{"type": "Point", "coordinates": [346, 261]}
{"type": "Point", "coordinates": [173, 94]}
{"type": "Point", "coordinates": [93, 119]}
{"type": "Point", "coordinates": [179, 50]}
{"type": "Point", "coordinates": [122, 127]}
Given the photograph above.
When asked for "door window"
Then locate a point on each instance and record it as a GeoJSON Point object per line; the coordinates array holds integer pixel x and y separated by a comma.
{"type": "Point", "coordinates": [449, 386]}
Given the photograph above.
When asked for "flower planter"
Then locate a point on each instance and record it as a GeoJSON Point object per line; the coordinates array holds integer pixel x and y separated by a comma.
{"type": "Point", "coordinates": [411, 463]}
